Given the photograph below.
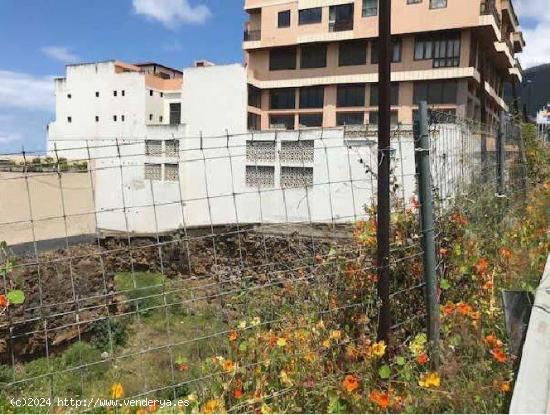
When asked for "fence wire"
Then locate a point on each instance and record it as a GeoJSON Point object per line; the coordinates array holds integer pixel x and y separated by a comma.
{"type": "Point", "coordinates": [147, 265]}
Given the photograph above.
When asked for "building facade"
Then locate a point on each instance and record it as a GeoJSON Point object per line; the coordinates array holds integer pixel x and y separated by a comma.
{"type": "Point", "coordinates": [313, 63]}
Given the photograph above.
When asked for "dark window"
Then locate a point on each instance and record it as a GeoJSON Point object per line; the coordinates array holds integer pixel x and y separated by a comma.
{"type": "Point", "coordinates": [123, 93]}
{"type": "Point", "coordinates": [446, 52]}
{"type": "Point", "coordinates": [394, 95]}
{"type": "Point", "coordinates": [69, 119]}
{"type": "Point", "coordinates": [352, 95]}
{"type": "Point", "coordinates": [284, 19]}
{"type": "Point", "coordinates": [435, 92]}
{"type": "Point", "coordinates": [254, 121]}
{"type": "Point", "coordinates": [162, 94]}
{"type": "Point", "coordinates": [69, 96]}
{"type": "Point", "coordinates": [311, 120]}
{"type": "Point", "coordinates": [442, 116]}
{"type": "Point", "coordinates": [350, 118]}
{"type": "Point", "coordinates": [414, 1]}
{"type": "Point", "coordinates": [313, 56]}
{"type": "Point", "coordinates": [352, 52]}
{"type": "Point", "coordinates": [150, 117]}
{"type": "Point", "coordinates": [438, 4]}
{"type": "Point", "coordinates": [96, 118]}
{"type": "Point", "coordinates": [423, 48]}
{"type": "Point", "coordinates": [114, 118]}
{"type": "Point", "coordinates": [114, 93]}
{"type": "Point", "coordinates": [175, 113]}
{"type": "Point", "coordinates": [281, 122]}
{"type": "Point", "coordinates": [282, 58]}
{"type": "Point", "coordinates": [282, 99]}
{"type": "Point", "coordinates": [370, 8]}
{"type": "Point", "coordinates": [312, 97]}
{"type": "Point", "coordinates": [395, 52]}
{"type": "Point", "coordinates": [161, 118]}
{"type": "Point", "coordinates": [341, 18]}
{"type": "Point", "coordinates": [122, 118]}
{"type": "Point", "coordinates": [308, 16]}
{"type": "Point", "coordinates": [150, 92]}
{"type": "Point", "coordinates": [373, 118]}
{"type": "Point", "coordinates": [254, 96]}
{"type": "Point", "coordinates": [97, 94]}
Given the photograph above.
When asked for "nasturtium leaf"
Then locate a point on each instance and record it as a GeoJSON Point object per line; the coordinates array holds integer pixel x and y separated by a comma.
{"type": "Point", "coordinates": [445, 284]}
{"type": "Point", "coordinates": [243, 346]}
{"type": "Point", "coordinates": [400, 360]}
{"type": "Point", "coordinates": [16, 297]}
{"type": "Point", "coordinates": [384, 372]}
{"type": "Point", "coordinates": [337, 406]}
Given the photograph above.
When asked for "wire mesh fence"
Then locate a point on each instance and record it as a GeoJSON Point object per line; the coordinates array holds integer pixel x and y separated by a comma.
{"type": "Point", "coordinates": [179, 268]}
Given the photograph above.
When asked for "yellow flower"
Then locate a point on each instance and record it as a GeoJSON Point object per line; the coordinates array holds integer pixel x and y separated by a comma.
{"type": "Point", "coordinates": [418, 344]}
{"type": "Point", "coordinates": [430, 380]}
{"type": "Point", "coordinates": [255, 321]}
{"type": "Point", "coordinates": [265, 409]}
{"type": "Point", "coordinates": [242, 324]}
{"type": "Point", "coordinates": [281, 342]}
{"type": "Point", "coordinates": [378, 349]}
{"type": "Point", "coordinates": [117, 391]}
{"type": "Point", "coordinates": [285, 379]}
{"type": "Point", "coordinates": [233, 335]}
{"type": "Point", "coordinates": [336, 334]}
{"type": "Point", "coordinates": [326, 343]}
{"type": "Point", "coordinates": [213, 406]}
{"type": "Point", "coordinates": [310, 357]}
{"type": "Point", "coordinates": [229, 366]}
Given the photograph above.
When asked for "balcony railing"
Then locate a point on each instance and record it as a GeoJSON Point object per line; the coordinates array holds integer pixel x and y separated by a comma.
{"type": "Point", "coordinates": [252, 35]}
{"type": "Point", "coordinates": [489, 7]}
{"type": "Point", "coordinates": [340, 26]}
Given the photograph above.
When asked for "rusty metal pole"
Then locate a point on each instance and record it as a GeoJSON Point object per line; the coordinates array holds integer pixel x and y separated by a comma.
{"type": "Point", "coordinates": [383, 209]}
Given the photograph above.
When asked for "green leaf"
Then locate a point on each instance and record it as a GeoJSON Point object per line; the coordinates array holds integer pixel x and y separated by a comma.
{"type": "Point", "coordinates": [384, 372]}
{"type": "Point", "coordinates": [16, 297]}
{"type": "Point", "coordinates": [445, 284]}
{"type": "Point", "coordinates": [400, 360]}
{"type": "Point", "coordinates": [181, 360]}
{"type": "Point", "coordinates": [337, 406]}
{"type": "Point", "coordinates": [243, 346]}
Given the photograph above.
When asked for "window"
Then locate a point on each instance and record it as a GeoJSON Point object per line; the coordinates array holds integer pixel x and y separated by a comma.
{"type": "Point", "coordinates": [370, 8]}
{"type": "Point", "coordinates": [97, 94]}
{"type": "Point", "coordinates": [69, 96]}
{"type": "Point", "coordinates": [171, 172]}
{"type": "Point", "coordinates": [341, 18]}
{"type": "Point", "coordinates": [313, 56]}
{"type": "Point", "coordinates": [350, 118]}
{"type": "Point", "coordinates": [96, 118]}
{"type": "Point", "coordinates": [311, 120]}
{"type": "Point", "coordinates": [414, 1]}
{"type": "Point", "coordinates": [153, 171]}
{"type": "Point", "coordinates": [308, 16]}
{"type": "Point", "coordinates": [114, 118]}
{"type": "Point", "coordinates": [260, 176]}
{"type": "Point", "coordinates": [284, 19]}
{"type": "Point", "coordinates": [162, 94]}
{"type": "Point", "coordinates": [254, 96]}
{"type": "Point", "coordinates": [175, 113]}
{"type": "Point", "coordinates": [443, 115]}
{"type": "Point", "coordinates": [172, 148]}
{"type": "Point", "coordinates": [298, 151]}
{"type": "Point", "coordinates": [292, 177]}
{"type": "Point", "coordinates": [438, 4]}
{"type": "Point", "coordinates": [352, 95]}
{"type": "Point", "coordinates": [282, 99]}
{"type": "Point", "coordinates": [150, 117]}
{"type": "Point", "coordinates": [435, 92]}
{"type": "Point", "coordinates": [69, 119]}
{"type": "Point", "coordinates": [395, 52]}
{"type": "Point", "coordinates": [122, 118]}
{"type": "Point", "coordinates": [352, 53]}
{"type": "Point", "coordinates": [114, 93]}
{"type": "Point", "coordinates": [153, 148]}
{"type": "Point", "coordinates": [150, 92]}
{"type": "Point", "coordinates": [423, 48]}
{"type": "Point", "coordinates": [282, 58]}
{"type": "Point", "coordinates": [446, 52]}
{"type": "Point", "coordinates": [394, 95]}
{"type": "Point", "coordinates": [262, 150]}
{"type": "Point", "coordinates": [254, 121]}
{"type": "Point", "coordinates": [281, 122]}
{"type": "Point", "coordinates": [312, 97]}
{"type": "Point", "coordinates": [123, 92]}
{"type": "Point", "coordinates": [161, 118]}
{"type": "Point", "coordinates": [373, 118]}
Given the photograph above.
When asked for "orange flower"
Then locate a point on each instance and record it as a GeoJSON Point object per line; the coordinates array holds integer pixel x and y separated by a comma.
{"type": "Point", "coordinates": [481, 266]}
{"type": "Point", "coordinates": [3, 301]}
{"type": "Point", "coordinates": [238, 393]}
{"type": "Point", "coordinates": [490, 339]}
{"type": "Point", "coordinates": [182, 367]}
{"type": "Point", "coordinates": [382, 399]}
{"type": "Point", "coordinates": [464, 308]}
{"type": "Point", "coordinates": [506, 253]}
{"type": "Point", "coordinates": [505, 386]}
{"type": "Point", "coordinates": [458, 219]}
{"type": "Point", "coordinates": [233, 335]}
{"type": "Point", "coordinates": [228, 365]}
{"type": "Point", "coordinates": [350, 383]}
{"type": "Point", "coordinates": [499, 355]}
{"type": "Point", "coordinates": [422, 359]}
{"type": "Point", "coordinates": [443, 251]}
{"type": "Point", "coordinates": [475, 315]}
{"type": "Point", "coordinates": [448, 309]}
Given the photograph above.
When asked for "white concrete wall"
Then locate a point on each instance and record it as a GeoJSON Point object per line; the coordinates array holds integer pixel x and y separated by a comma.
{"type": "Point", "coordinates": [214, 99]}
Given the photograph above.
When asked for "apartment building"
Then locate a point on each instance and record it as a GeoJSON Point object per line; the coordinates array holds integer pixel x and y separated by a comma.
{"type": "Point", "coordinates": [313, 63]}
{"type": "Point", "coordinates": [112, 99]}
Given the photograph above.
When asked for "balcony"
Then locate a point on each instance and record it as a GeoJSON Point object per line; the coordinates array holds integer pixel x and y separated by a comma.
{"type": "Point", "coordinates": [518, 41]}
{"type": "Point", "coordinates": [340, 26]}
{"type": "Point", "coordinates": [487, 8]}
{"type": "Point", "coordinates": [252, 35]}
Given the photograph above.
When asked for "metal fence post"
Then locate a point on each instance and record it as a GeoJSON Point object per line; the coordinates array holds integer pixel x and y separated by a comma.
{"type": "Point", "coordinates": [500, 154]}
{"type": "Point", "coordinates": [422, 158]}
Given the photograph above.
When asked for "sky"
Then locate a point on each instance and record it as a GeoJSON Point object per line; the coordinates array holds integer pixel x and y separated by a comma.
{"type": "Point", "coordinates": [41, 36]}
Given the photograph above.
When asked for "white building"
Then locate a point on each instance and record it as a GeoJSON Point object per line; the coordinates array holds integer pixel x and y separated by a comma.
{"type": "Point", "coordinates": [543, 123]}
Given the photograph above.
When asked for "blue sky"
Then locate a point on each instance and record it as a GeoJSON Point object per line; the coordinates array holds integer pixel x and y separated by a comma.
{"type": "Point", "coordinates": [41, 36]}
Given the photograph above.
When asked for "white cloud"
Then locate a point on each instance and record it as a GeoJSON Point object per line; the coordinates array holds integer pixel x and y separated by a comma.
{"type": "Point", "coordinates": [60, 54]}
{"type": "Point", "coordinates": [25, 91]}
{"type": "Point", "coordinates": [537, 33]}
{"type": "Point", "coordinates": [171, 13]}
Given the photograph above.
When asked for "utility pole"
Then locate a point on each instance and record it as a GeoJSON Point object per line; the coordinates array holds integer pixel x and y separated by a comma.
{"type": "Point", "coordinates": [383, 209]}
